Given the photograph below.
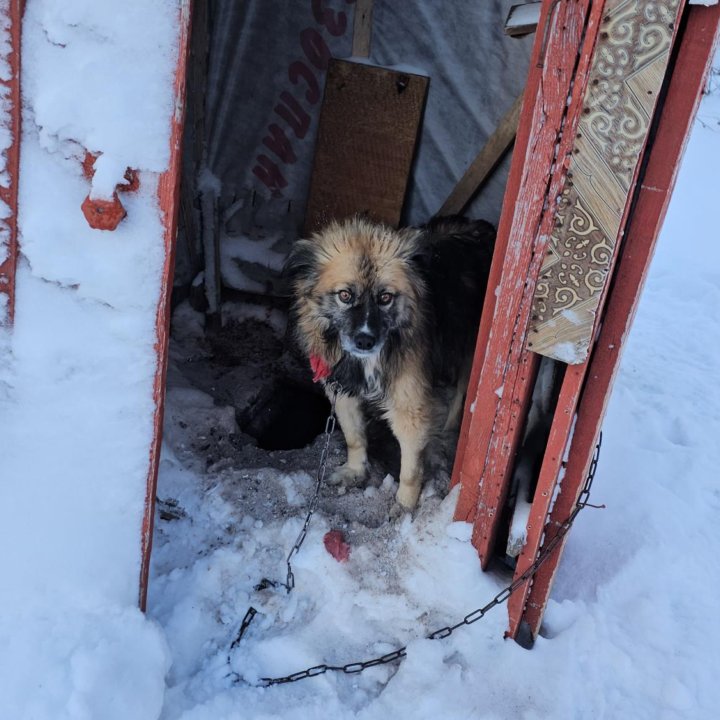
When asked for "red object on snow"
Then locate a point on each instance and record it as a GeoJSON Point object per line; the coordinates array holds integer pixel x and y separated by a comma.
{"type": "Point", "coordinates": [320, 368]}
{"type": "Point", "coordinates": [335, 544]}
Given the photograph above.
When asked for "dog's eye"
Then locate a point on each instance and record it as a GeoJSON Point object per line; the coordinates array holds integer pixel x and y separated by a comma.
{"type": "Point", "coordinates": [345, 296]}
{"type": "Point", "coordinates": [385, 298]}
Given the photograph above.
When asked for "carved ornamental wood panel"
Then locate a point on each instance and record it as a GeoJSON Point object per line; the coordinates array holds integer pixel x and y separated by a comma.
{"type": "Point", "coordinates": [625, 77]}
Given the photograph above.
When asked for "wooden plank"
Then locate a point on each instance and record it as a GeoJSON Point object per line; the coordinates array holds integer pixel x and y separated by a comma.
{"type": "Point", "coordinates": [522, 19]}
{"type": "Point", "coordinates": [169, 202]}
{"type": "Point", "coordinates": [10, 123]}
{"type": "Point", "coordinates": [485, 162]}
{"type": "Point", "coordinates": [501, 388]}
{"type": "Point", "coordinates": [625, 78]}
{"type": "Point", "coordinates": [697, 45]}
{"type": "Point", "coordinates": [546, 484]}
{"type": "Point", "coordinates": [362, 28]}
{"type": "Point", "coordinates": [367, 134]}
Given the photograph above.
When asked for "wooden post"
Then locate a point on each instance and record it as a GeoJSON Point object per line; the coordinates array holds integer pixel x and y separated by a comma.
{"type": "Point", "coordinates": [362, 28]}
{"type": "Point", "coordinates": [10, 122]}
{"type": "Point", "coordinates": [169, 202]}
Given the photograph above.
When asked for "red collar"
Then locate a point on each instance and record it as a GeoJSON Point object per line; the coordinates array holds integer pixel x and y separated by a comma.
{"type": "Point", "coordinates": [320, 368]}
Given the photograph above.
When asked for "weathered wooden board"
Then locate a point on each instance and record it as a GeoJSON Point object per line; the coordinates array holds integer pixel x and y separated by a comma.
{"type": "Point", "coordinates": [485, 162]}
{"type": "Point", "coordinates": [10, 124]}
{"type": "Point", "coordinates": [696, 49]}
{"type": "Point", "coordinates": [362, 28]}
{"type": "Point", "coordinates": [626, 75]}
{"type": "Point", "coordinates": [367, 134]}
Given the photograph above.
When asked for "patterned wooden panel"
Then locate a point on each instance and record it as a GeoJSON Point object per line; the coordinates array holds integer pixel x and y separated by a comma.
{"type": "Point", "coordinates": [626, 74]}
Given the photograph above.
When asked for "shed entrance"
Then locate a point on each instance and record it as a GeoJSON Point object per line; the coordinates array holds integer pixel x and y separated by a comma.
{"type": "Point", "coordinates": [261, 165]}
{"type": "Point", "coordinates": [564, 192]}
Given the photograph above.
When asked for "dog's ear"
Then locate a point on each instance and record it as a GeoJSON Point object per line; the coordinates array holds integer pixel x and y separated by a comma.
{"type": "Point", "coordinates": [418, 251]}
{"type": "Point", "coordinates": [301, 263]}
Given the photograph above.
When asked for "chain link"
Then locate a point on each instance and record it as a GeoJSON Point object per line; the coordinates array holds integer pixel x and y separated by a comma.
{"type": "Point", "coordinates": [319, 479]}
{"type": "Point", "coordinates": [289, 583]}
{"type": "Point", "coordinates": [473, 616]}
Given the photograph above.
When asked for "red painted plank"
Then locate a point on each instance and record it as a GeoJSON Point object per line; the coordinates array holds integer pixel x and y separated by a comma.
{"type": "Point", "coordinates": [9, 191]}
{"type": "Point", "coordinates": [471, 431]}
{"type": "Point", "coordinates": [689, 75]}
{"type": "Point", "coordinates": [547, 479]}
{"type": "Point", "coordinates": [169, 201]}
{"type": "Point", "coordinates": [507, 370]}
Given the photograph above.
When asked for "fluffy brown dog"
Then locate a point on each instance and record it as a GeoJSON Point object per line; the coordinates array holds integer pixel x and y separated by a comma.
{"type": "Point", "coordinates": [391, 317]}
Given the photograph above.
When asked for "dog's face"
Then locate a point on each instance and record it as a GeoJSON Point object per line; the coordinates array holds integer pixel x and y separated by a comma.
{"type": "Point", "coordinates": [356, 285]}
{"type": "Point", "coordinates": [363, 311]}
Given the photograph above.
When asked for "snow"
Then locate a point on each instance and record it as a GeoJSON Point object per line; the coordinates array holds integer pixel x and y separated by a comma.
{"type": "Point", "coordinates": [630, 631]}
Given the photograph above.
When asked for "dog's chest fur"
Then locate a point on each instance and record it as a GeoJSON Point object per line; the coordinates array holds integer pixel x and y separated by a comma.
{"type": "Point", "coordinates": [374, 390]}
{"type": "Point", "coordinates": [362, 377]}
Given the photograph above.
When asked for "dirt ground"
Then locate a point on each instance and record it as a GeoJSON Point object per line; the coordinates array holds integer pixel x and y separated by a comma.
{"type": "Point", "coordinates": [243, 414]}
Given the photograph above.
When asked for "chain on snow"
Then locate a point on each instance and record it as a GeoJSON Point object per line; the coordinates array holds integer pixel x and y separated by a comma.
{"type": "Point", "coordinates": [289, 583]}
{"type": "Point", "coordinates": [472, 617]}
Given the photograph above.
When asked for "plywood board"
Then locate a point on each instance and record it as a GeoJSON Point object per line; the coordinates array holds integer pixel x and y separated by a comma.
{"type": "Point", "coordinates": [368, 130]}
{"type": "Point", "coordinates": [626, 75]}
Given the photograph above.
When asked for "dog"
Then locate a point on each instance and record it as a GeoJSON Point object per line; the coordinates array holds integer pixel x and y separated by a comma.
{"type": "Point", "coordinates": [389, 319]}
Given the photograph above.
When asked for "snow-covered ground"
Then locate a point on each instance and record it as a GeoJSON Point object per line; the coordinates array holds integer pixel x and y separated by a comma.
{"type": "Point", "coordinates": [630, 632]}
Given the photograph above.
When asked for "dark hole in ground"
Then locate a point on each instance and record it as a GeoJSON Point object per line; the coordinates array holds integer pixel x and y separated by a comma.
{"type": "Point", "coordinates": [288, 417]}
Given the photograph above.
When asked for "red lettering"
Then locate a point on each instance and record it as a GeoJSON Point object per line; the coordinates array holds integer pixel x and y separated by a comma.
{"type": "Point", "coordinates": [277, 142]}
{"type": "Point", "coordinates": [290, 110]}
{"type": "Point", "coordinates": [334, 22]}
{"type": "Point", "coordinates": [298, 70]}
{"type": "Point", "coordinates": [315, 48]}
{"type": "Point", "coordinates": [269, 173]}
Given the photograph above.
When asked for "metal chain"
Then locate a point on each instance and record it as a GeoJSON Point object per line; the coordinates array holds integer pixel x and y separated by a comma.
{"type": "Point", "coordinates": [289, 583]}
{"type": "Point", "coordinates": [471, 617]}
{"type": "Point", "coordinates": [319, 479]}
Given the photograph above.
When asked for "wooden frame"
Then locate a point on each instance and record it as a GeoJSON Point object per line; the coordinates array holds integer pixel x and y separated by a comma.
{"type": "Point", "coordinates": [695, 50]}
{"type": "Point", "coordinates": [505, 364]}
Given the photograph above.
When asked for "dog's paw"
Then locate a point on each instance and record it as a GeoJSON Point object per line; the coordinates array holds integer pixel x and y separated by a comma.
{"type": "Point", "coordinates": [407, 495]}
{"type": "Point", "coordinates": [397, 512]}
{"type": "Point", "coordinates": [347, 476]}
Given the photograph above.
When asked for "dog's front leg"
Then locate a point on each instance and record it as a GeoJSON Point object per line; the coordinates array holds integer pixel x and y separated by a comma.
{"type": "Point", "coordinates": [409, 417]}
{"type": "Point", "coordinates": [349, 414]}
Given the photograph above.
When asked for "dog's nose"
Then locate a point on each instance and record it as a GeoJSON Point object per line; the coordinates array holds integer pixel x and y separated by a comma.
{"type": "Point", "coordinates": [364, 341]}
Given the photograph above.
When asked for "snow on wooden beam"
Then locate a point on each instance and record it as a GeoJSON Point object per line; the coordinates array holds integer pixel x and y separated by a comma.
{"type": "Point", "coordinates": [169, 202]}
